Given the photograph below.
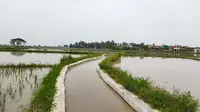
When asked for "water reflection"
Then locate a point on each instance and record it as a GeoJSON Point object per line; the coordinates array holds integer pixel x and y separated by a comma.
{"type": "Point", "coordinates": [28, 58]}
{"type": "Point", "coordinates": [166, 55]}
{"type": "Point", "coordinates": [170, 73]}
{"type": "Point", "coordinates": [197, 55]}
{"type": "Point", "coordinates": [175, 72]}
{"type": "Point", "coordinates": [17, 87]}
{"type": "Point", "coordinates": [86, 91]}
{"type": "Point", "coordinates": [17, 53]}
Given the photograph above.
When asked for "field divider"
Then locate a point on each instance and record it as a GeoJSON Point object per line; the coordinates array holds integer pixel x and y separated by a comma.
{"type": "Point", "coordinates": [59, 98]}
{"type": "Point", "coordinates": [133, 100]}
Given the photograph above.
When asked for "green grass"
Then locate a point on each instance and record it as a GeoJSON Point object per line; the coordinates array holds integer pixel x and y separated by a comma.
{"type": "Point", "coordinates": [42, 101]}
{"type": "Point", "coordinates": [50, 50]}
{"type": "Point", "coordinates": [157, 97]}
{"type": "Point", "coordinates": [46, 51]}
{"type": "Point", "coordinates": [182, 55]}
{"type": "Point", "coordinates": [23, 65]}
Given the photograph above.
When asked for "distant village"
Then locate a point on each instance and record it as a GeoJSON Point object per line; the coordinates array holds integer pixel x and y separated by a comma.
{"type": "Point", "coordinates": [163, 47]}
{"type": "Point", "coordinates": [175, 48]}
{"type": "Point", "coordinates": [110, 45]}
{"type": "Point", "coordinates": [133, 46]}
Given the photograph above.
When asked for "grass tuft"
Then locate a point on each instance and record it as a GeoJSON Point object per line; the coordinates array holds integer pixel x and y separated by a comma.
{"type": "Point", "coordinates": [23, 65]}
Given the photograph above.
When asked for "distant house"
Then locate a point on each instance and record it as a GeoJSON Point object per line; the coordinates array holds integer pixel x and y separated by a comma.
{"type": "Point", "coordinates": [154, 47]}
{"type": "Point", "coordinates": [151, 46]}
{"type": "Point", "coordinates": [170, 48]}
{"type": "Point", "coordinates": [197, 50]}
{"type": "Point", "coordinates": [165, 47]}
{"type": "Point", "coordinates": [174, 48]}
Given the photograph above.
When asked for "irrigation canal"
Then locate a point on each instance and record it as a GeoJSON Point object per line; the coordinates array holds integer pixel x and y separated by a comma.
{"type": "Point", "coordinates": [86, 91]}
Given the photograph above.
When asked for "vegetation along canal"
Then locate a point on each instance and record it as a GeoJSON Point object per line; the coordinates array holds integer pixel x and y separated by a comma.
{"type": "Point", "coordinates": [21, 76]}
{"type": "Point", "coordinates": [170, 73]}
{"type": "Point", "coordinates": [86, 91]}
{"type": "Point", "coordinates": [27, 58]}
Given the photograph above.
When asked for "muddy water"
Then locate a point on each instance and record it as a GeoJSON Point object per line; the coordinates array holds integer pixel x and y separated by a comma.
{"type": "Point", "coordinates": [22, 57]}
{"type": "Point", "coordinates": [17, 87]}
{"type": "Point", "coordinates": [169, 73]}
{"type": "Point", "coordinates": [86, 92]}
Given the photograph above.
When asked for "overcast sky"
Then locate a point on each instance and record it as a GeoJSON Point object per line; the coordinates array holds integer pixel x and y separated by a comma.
{"type": "Point", "coordinates": [58, 22]}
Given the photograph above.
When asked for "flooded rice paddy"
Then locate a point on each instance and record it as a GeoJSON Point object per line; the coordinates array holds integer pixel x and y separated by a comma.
{"type": "Point", "coordinates": [17, 87]}
{"type": "Point", "coordinates": [86, 91]}
{"type": "Point", "coordinates": [170, 73]}
{"type": "Point", "coordinates": [40, 58]}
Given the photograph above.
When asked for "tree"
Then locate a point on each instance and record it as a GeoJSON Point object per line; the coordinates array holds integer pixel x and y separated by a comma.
{"type": "Point", "coordinates": [17, 41]}
{"type": "Point", "coordinates": [18, 53]}
{"type": "Point", "coordinates": [124, 45]}
{"type": "Point", "coordinates": [108, 45]}
{"type": "Point", "coordinates": [66, 46]}
{"type": "Point", "coordinates": [71, 46]}
{"type": "Point", "coordinates": [142, 45]}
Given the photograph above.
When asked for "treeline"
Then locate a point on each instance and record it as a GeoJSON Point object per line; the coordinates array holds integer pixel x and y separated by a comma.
{"type": "Point", "coordinates": [108, 45]}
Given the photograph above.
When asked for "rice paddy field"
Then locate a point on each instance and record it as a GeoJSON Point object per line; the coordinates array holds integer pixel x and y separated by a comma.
{"type": "Point", "coordinates": [169, 73]}
{"type": "Point", "coordinates": [21, 75]}
{"type": "Point", "coordinates": [17, 87]}
{"type": "Point", "coordinates": [27, 80]}
{"type": "Point", "coordinates": [27, 58]}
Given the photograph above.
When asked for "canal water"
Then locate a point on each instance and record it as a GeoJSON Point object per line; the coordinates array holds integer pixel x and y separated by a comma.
{"type": "Point", "coordinates": [17, 85]}
{"type": "Point", "coordinates": [86, 92]}
{"type": "Point", "coordinates": [170, 73]}
{"type": "Point", "coordinates": [22, 57]}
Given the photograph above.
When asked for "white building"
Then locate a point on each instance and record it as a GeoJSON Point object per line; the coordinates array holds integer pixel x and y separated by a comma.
{"type": "Point", "coordinates": [177, 49]}
{"type": "Point", "coordinates": [197, 50]}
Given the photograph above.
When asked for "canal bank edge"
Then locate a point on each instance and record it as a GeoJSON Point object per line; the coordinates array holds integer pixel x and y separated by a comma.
{"type": "Point", "coordinates": [59, 98]}
{"type": "Point", "coordinates": [137, 104]}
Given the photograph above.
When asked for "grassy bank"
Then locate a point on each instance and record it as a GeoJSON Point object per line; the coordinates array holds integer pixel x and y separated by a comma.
{"type": "Point", "coordinates": [46, 51]}
{"type": "Point", "coordinates": [42, 101]}
{"type": "Point", "coordinates": [51, 50]}
{"type": "Point", "coordinates": [157, 97]}
{"type": "Point", "coordinates": [182, 55]}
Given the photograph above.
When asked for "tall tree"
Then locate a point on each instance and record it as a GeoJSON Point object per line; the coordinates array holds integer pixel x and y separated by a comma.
{"type": "Point", "coordinates": [17, 41]}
